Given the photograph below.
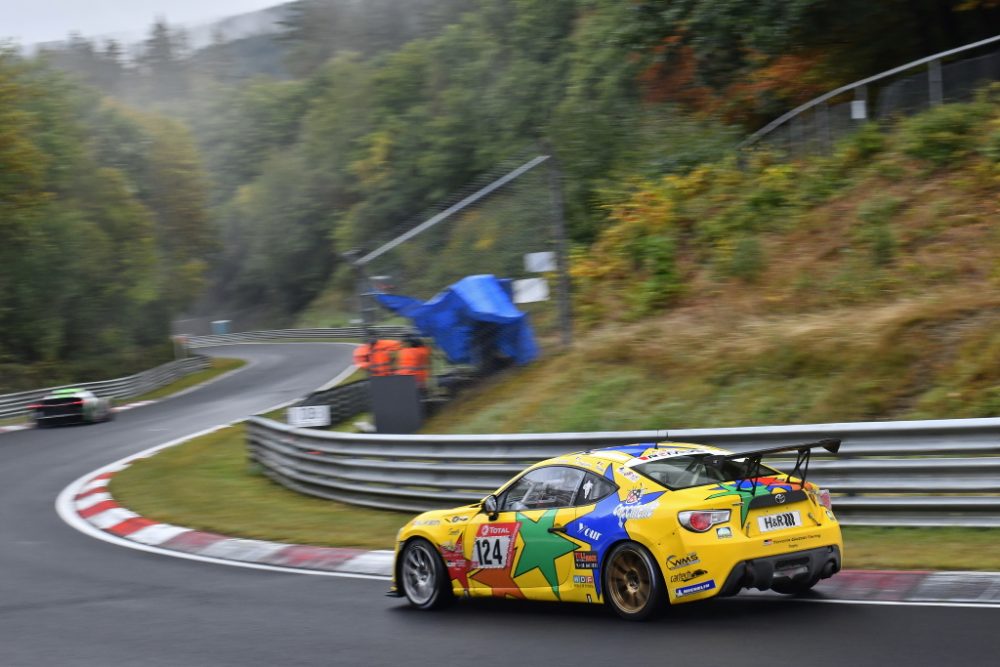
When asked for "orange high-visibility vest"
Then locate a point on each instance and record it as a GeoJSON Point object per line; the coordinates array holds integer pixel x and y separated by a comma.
{"type": "Point", "coordinates": [414, 361]}
{"type": "Point", "coordinates": [361, 353]}
{"type": "Point", "coordinates": [381, 360]}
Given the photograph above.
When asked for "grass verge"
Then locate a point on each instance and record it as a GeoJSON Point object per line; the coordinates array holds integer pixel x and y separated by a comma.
{"type": "Point", "coordinates": [217, 367]}
{"type": "Point", "coordinates": [207, 484]}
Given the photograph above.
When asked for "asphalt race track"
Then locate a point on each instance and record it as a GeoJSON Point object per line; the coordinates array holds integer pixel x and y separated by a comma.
{"type": "Point", "coordinates": [68, 599]}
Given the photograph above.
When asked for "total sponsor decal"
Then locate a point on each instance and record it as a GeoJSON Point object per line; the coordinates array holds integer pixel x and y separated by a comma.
{"type": "Point", "coordinates": [687, 575]}
{"type": "Point", "coordinates": [693, 589]}
{"type": "Point", "coordinates": [494, 545]}
{"type": "Point", "coordinates": [677, 562]}
{"type": "Point", "coordinates": [585, 560]}
{"type": "Point", "coordinates": [586, 580]}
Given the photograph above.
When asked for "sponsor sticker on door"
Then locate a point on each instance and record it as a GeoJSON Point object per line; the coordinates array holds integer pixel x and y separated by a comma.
{"type": "Point", "coordinates": [684, 591]}
{"type": "Point", "coordinates": [494, 545]}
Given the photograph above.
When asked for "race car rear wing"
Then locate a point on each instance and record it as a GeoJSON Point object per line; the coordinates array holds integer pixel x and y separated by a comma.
{"type": "Point", "coordinates": [751, 469]}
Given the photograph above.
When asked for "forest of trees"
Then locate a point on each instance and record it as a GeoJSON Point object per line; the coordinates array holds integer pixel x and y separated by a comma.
{"type": "Point", "coordinates": [359, 115]}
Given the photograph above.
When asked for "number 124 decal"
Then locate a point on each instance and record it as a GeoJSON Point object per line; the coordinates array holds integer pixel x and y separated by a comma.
{"type": "Point", "coordinates": [494, 545]}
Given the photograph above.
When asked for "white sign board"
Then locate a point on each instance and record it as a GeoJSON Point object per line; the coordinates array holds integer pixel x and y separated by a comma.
{"type": "Point", "coordinates": [540, 262]}
{"type": "Point", "coordinates": [858, 110]}
{"type": "Point", "coordinates": [309, 415]}
{"type": "Point", "coordinates": [530, 290]}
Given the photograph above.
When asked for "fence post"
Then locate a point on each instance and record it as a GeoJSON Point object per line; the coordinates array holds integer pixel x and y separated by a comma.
{"type": "Point", "coordinates": [935, 82]}
{"type": "Point", "coordinates": [824, 126]}
{"type": "Point", "coordinates": [562, 258]}
{"type": "Point", "coordinates": [859, 107]}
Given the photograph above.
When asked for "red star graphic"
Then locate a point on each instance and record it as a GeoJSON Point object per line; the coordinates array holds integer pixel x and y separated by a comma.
{"type": "Point", "coordinates": [458, 566]}
{"type": "Point", "coordinates": [499, 580]}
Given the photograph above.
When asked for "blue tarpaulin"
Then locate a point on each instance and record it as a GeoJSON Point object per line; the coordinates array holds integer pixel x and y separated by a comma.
{"type": "Point", "coordinates": [470, 314]}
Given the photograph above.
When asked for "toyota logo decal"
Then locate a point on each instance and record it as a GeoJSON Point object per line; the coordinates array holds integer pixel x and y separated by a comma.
{"type": "Point", "coordinates": [779, 498]}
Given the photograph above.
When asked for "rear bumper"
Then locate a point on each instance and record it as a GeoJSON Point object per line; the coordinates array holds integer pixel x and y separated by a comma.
{"type": "Point", "coordinates": [54, 417]}
{"type": "Point", "coordinates": [796, 566]}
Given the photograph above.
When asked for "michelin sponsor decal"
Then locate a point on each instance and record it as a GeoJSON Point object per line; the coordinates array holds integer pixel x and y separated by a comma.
{"type": "Point", "coordinates": [693, 589]}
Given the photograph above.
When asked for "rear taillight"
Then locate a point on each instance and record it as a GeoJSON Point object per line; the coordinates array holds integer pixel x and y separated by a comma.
{"type": "Point", "coordinates": [700, 521]}
{"type": "Point", "coordinates": [35, 406]}
{"type": "Point", "coordinates": [824, 498]}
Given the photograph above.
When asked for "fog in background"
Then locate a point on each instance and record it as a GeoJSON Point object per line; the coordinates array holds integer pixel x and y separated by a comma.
{"type": "Point", "coordinates": [51, 20]}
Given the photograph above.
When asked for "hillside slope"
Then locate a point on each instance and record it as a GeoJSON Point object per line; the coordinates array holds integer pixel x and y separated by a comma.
{"type": "Point", "coordinates": [860, 286]}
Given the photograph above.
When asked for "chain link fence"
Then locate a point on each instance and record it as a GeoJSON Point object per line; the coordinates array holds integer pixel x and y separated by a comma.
{"type": "Point", "coordinates": [512, 233]}
{"type": "Point", "coordinates": [814, 127]}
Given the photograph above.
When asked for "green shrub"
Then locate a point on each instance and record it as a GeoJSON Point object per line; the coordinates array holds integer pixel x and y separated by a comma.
{"type": "Point", "coordinates": [990, 147]}
{"type": "Point", "coordinates": [942, 135]}
{"type": "Point", "coordinates": [861, 146]}
{"type": "Point", "coordinates": [876, 231]}
{"type": "Point", "coordinates": [747, 259]}
{"type": "Point", "coordinates": [664, 285]}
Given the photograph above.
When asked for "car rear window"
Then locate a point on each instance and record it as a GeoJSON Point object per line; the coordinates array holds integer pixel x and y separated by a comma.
{"type": "Point", "coordinates": [684, 472]}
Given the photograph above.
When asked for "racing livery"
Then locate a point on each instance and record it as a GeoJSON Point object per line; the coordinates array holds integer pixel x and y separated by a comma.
{"type": "Point", "coordinates": [633, 527]}
{"type": "Point", "coordinates": [70, 406]}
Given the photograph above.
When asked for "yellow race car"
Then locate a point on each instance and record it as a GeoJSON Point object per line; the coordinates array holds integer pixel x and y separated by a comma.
{"type": "Point", "coordinates": [634, 527]}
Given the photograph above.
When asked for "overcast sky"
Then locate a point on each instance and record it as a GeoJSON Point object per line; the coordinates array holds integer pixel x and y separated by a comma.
{"type": "Point", "coordinates": [31, 21]}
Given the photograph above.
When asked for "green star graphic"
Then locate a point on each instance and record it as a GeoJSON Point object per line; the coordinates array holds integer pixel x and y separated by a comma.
{"type": "Point", "coordinates": [542, 548]}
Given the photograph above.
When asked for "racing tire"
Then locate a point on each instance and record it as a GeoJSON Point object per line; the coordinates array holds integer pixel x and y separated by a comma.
{"type": "Point", "coordinates": [423, 576]}
{"type": "Point", "coordinates": [633, 583]}
{"type": "Point", "coordinates": [794, 587]}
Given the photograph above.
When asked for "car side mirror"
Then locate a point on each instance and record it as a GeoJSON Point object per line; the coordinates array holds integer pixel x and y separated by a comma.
{"type": "Point", "coordinates": [490, 508]}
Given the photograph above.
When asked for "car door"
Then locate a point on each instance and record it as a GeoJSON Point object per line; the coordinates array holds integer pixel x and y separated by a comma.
{"type": "Point", "coordinates": [523, 552]}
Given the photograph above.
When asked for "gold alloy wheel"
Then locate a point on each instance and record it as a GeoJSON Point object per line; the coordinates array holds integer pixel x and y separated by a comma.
{"type": "Point", "coordinates": [630, 583]}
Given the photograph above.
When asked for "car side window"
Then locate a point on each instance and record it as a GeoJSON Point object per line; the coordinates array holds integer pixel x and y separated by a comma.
{"type": "Point", "coordinates": [543, 488]}
{"type": "Point", "coordinates": [594, 488]}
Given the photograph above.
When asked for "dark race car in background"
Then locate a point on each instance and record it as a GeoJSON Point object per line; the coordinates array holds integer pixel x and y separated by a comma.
{"type": "Point", "coordinates": [70, 406]}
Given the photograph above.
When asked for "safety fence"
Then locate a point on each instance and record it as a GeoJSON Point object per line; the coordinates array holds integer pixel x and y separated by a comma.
{"type": "Point", "coordinates": [927, 473]}
{"type": "Point", "coordinates": [13, 405]}
{"type": "Point", "coordinates": [949, 76]}
{"type": "Point", "coordinates": [339, 333]}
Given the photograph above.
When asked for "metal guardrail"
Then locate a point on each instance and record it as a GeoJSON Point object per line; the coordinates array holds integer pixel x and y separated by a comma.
{"type": "Point", "coordinates": [342, 333]}
{"type": "Point", "coordinates": [345, 400]}
{"type": "Point", "coordinates": [13, 405]}
{"type": "Point", "coordinates": [827, 122]}
{"type": "Point", "coordinates": [930, 473]}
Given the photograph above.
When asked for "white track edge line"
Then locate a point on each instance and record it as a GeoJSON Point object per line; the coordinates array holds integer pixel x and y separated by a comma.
{"type": "Point", "coordinates": [66, 510]}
